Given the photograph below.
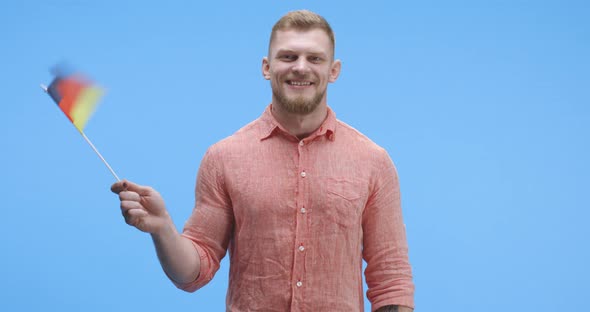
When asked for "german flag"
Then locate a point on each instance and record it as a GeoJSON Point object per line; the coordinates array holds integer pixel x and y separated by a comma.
{"type": "Point", "coordinates": [76, 96]}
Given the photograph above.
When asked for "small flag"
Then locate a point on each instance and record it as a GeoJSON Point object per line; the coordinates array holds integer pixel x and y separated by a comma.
{"type": "Point", "coordinates": [76, 96]}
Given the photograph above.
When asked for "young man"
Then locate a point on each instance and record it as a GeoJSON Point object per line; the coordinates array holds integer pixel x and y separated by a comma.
{"type": "Point", "coordinates": [298, 197]}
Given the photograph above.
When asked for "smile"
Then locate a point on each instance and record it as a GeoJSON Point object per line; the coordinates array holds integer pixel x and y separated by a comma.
{"type": "Point", "coordinates": [299, 83]}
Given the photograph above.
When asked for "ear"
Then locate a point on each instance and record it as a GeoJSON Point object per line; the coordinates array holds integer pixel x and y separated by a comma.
{"type": "Point", "coordinates": [265, 68]}
{"type": "Point", "coordinates": [335, 70]}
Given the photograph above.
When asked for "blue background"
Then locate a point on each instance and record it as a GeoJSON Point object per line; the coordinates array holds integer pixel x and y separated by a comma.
{"type": "Point", "coordinates": [483, 106]}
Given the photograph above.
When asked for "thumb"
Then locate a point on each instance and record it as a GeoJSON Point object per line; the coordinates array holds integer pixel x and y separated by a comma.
{"type": "Point", "coordinates": [119, 186]}
{"type": "Point", "coordinates": [134, 187]}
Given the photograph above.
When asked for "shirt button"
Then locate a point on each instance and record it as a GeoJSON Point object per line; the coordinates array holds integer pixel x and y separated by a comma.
{"type": "Point", "coordinates": [303, 210]}
{"type": "Point", "coordinates": [299, 284]}
{"type": "Point", "coordinates": [301, 143]}
{"type": "Point", "coordinates": [303, 174]}
{"type": "Point", "coordinates": [301, 248]}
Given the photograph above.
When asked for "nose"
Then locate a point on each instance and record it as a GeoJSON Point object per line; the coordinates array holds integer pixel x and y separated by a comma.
{"type": "Point", "coordinates": [300, 66]}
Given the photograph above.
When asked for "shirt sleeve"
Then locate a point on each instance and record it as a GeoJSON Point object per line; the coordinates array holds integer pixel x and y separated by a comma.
{"type": "Point", "coordinates": [385, 249]}
{"type": "Point", "coordinates": [210, 225]}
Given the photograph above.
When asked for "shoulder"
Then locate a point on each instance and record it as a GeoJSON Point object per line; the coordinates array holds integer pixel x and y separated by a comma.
{"type": "Point", "coordinates": [360, 143]}
{"type": "Point", "coordinates": [239, 141]}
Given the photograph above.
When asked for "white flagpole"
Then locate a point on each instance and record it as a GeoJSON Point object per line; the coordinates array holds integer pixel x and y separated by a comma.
{"type": "Point", "coordinates": [92, 145]}
{"type": "Point", "coordinates": [99, 155]}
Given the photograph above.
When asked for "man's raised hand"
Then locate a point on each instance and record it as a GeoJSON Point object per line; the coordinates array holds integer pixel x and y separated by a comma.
{"type": "Point", "coordinates": [142, 207]}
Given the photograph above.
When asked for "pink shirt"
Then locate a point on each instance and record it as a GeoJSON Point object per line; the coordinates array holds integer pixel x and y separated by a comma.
{"type": "Point", "coordinates": [298, 217]}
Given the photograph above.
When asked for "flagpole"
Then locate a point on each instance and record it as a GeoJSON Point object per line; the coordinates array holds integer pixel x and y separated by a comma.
{"type": "Point", "coordinates": [92, 145]}
{"type": "Point", "coordinates": [99, 155]}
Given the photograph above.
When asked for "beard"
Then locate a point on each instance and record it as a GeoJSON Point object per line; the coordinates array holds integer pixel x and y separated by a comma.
{"type": "Point", "coordinates": [297, 105]}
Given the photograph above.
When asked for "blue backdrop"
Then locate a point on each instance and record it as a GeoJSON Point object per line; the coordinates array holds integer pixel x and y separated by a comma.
{"type": "Point", "coordinates": [483, 106]}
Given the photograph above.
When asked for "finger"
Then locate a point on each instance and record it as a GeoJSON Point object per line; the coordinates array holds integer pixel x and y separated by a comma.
{"type": "Point", "coordinates": [127, 205]}
{"type": "Point", "coordinates": [133, 216]}
{"type": "Point", "coordinates": [128, 195]}
{"type": "Point", "coordinates": [137, 213]}
{"type": "Point", "coordinates": [119, 186]}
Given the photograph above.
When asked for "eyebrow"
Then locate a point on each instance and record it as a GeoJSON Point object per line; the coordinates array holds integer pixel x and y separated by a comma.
{"type": "Point", "coordinates": [315, 53]}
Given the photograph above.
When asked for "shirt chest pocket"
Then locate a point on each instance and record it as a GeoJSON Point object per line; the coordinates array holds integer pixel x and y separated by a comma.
{"type": "Point", "coordinates": [343, 202]}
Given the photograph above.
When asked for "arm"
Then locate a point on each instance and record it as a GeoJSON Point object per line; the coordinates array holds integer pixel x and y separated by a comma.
{"type": "Point", "coordinates": [210, 226]}
{"type": "Point", "coordinates": [394, 308]}
{"type": "Point", "coordinates": [144, 209]}
{"type": "Point", "coordinates": [385, 249]}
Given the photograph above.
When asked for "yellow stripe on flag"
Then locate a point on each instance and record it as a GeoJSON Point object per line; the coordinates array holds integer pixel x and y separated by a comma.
{"type": "Point", "coordinates": [85, 106]}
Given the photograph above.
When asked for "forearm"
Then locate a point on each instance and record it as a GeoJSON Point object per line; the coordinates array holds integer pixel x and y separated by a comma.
{"type": "Point", "coordinates": [177, 255]}
{"type": "Point", "coordinates": [394, 308]}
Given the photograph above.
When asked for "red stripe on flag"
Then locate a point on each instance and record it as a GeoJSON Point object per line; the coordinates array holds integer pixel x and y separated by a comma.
{"type": "Point", "coordinates": [70, 89]}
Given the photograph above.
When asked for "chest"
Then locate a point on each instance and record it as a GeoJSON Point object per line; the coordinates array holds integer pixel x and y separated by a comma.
{"type": "Point", "coordinates": [273, 188]}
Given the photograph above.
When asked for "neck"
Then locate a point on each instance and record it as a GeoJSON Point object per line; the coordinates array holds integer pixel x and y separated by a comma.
{"type": "Point", "coordinates": [299, 125]}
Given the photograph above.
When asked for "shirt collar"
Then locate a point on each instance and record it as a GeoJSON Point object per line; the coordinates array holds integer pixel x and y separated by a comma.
{"type": "Point", "coordinates": [270, 126]}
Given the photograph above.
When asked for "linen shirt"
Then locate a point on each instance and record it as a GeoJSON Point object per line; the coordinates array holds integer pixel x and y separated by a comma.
{"type": "Point", "coordinates": [298, 217]}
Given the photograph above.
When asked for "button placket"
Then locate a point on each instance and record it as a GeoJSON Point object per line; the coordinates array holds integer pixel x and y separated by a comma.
{"type": "Point", "coordinates": [301, 226]}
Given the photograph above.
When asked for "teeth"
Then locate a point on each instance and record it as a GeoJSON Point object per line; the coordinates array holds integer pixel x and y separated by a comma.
{"type": "Point", "coordinates": [300, 83]}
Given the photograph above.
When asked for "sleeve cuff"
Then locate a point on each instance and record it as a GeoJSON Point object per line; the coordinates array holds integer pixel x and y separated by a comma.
{"type": "Point", "coordinates": [204, 273]}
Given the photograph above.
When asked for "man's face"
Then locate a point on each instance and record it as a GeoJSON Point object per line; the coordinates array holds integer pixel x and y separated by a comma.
{"type": "Point", "coordinates": [299, 66]}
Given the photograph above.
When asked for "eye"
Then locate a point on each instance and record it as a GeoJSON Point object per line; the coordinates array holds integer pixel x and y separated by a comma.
{"type": "Point", "coordinates": [287, 57]}
{"type": "Point", "coordinates": [315, 59]}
